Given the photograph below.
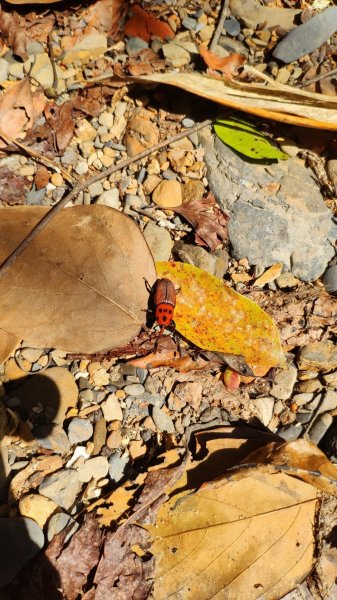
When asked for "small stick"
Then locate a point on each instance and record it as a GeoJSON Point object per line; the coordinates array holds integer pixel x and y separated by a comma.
{"type": "Point", "coordinates": [317, 78]}
{"type": "Point", "coordinates": [38, 157]}
{"type": "Point", "coordinates": [82, 186]}
{"type": "Point", "coordinates": [219, 26]}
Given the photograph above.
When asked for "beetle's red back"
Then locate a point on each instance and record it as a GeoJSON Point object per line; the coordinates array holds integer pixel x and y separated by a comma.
{"type": "Point", "coordinates": [164, 301]}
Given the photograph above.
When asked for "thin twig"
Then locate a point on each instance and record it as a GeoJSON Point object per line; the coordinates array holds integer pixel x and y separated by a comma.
{"type": "Point", "coordinates": [317, 78]}
{"type": "Point", "coordinates": [38, 157]}
{"type": "Point", "coordinates": [219, 26]}
{"type": "Point", "coordinates": [82, 186]}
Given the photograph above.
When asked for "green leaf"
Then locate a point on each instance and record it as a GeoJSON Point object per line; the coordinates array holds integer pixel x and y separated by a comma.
{"type": "Point", "coordinates": [246, 139]}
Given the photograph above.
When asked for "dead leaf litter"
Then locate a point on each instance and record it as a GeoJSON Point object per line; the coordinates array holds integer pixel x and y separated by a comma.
{"type": "Point", "coordinates": [109, 431]}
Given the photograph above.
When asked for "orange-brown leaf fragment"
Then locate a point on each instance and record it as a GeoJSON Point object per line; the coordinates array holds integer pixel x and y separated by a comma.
{"type": "Point", "coordinates": [15, 35]}
{"type": "Point", "coordinates": [227, 65]}
{"type": "Point", "coordinates": [208, 220]}
{"type": "Point", "coordinates": [19, 109]}
{"type": "Point", "coordinates": [144, 25]}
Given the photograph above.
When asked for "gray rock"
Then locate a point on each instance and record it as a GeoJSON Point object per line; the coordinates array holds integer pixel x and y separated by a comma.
{"type": "Point", "coordinates": [197, 256]}
{"type": "Point", "coordinates": [135, 45]}
{"type": "Point", "coordinates": [186, 122]}
{"type": "Point", "coordinates": [52, 437]}
{"type": "Point", "coordinates": [62, 487]}
{"type": "Point", "coordinates": [292, 225]}
{"type": "Point", "coordinates": [330, 279]}
{"type": "Point", "coordinates": [93, 468]}
{"type": "Point", "coordinates": [79, 430]}
{"type": "Point", "coordinates": [305, 38]}
{"type": "Point", "coordinates": [159, 241]}
{"type": "Point", "coordinates": [320, 427]}
{"type": "Point", "coordinates": [176, 54]}
{"type": "Point", "coordinates": [190, 23]}
{"type": "Point", "coordinates": [290, 432]}
{"type": "Point", "coordinates": [35, 197]}
{"type": "Point", "coordinates": [110, 198]}
{"type": "Point", "coordinates": [58, 522]}
{"type": "Point", "coordinates": [284, 382]}
{"type": "Point", "coordinates": [33, 47]}
{"type": "Point", "coordinates": [20, 539]}
{"type": "Point", "coordinates": [162, 420]}
{"type": "Point", "coordinates": [95, 189]}
{"type": "Point", "coordinates": [117, 465]}
{"type": "Point", "coordinates": [135, 389]}
{"type": "Point", "coordinates": [232, 27]}
{"type": "Point", "coordinates": [329, 402]}
{"type": "Point", "coordinates": [303, 417]}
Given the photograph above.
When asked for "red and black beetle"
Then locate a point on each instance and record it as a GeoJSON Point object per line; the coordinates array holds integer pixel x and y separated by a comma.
{"type": "Point", "coordinates": [164, 302]}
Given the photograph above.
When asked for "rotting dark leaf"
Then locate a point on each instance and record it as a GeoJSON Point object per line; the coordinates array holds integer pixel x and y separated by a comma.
{"type": "Point", "coordinates": [208, 220]}
{"type": "Point", "coordinates": [121, 573]}
{"type": "Point", "coordinates": [62, 569]}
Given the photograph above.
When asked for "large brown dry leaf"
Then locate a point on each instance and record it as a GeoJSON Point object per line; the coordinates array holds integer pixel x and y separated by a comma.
{"type": "Point", "coordinates": [15, 35]}
{"type": "Point", "coordinates": [269, 100]}
{"type": "Point", "coordinates": [81, 285]}
{"type": "Point", "coordinates": [19, 109]}
{"type": "Point", "coordinates": [247, 534]}
{"type": "Point", "coordinates": [8, 343]}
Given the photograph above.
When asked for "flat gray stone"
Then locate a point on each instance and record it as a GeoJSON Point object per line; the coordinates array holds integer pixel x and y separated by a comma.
{"type": "Point", "coordinates": [58, 522]}
{"type": "Point", "coordinates": [52, 437]}
{"type": "Point", "coordinates": [79, 430]}
{"type": "Point", "coordinates": [159, 241]}
{"type": "Point", "coordinates": [20, 539]}
{"type": "Point", "coordinates": [62, 487]}
{"type": "Point", "coordinates": [308, 36]}
{"type": "Point", "coordinates": [284, 382]}
{"type": "Point", "coordinates": [162, 420]}
{"type": "Point", "coordinates": [287, 223]}
{"type": "Point", "coordinates": [117, 465]}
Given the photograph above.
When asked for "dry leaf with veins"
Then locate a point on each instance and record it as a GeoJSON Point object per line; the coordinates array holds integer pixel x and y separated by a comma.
{"type": "Point", "coordinates": [208, 220]}
{"type": "Point", "coordinates": [80, 286]}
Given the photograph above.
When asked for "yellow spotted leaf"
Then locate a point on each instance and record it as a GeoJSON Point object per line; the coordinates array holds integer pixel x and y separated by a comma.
{"type": "Point", "coordinates": [215, 317]}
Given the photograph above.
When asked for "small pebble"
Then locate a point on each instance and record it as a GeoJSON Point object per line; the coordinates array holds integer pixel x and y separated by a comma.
{"type": "Point", "coordinates": [232, 27]}
{"type": "Point", "coordinates": [189, 23]}
{"type": "Point", "coordinates": [110, 198]}
{"type": "Point", "coordinates": [82, 167]}
{"type": "Point", "coordinates": [330, 279]}
{"type": "Point", "coordinates": [93, 468]}
{"type": "Point", "coordinates": [95, 189]}
{"type": "Point", "coordinates": [79, 430]}
{"type": "Point", "coordinates": [284, 382]}
{"type": "Point", "coordinates": [57, 179]}
{"type": "Point", "coordinates": [320, 427]}
{"type": "Point", "coordinates": [135, 389]}
{"type": "Point", "coordinates": [187, 122]}
{"type": "Point", "coordinates": [117, 465]}
{"type": "Point", "coordinates": [135, 45]}
{"type": "Point", "coordinates": [290, 432]}
{"type": "Point", "coordinates": [162, 420]}
{"type": "Point", "coordinates": [58, 522]}
{"type": "Point", "coordinates": [111, 408]}
{"type": "Point", "coordinates": [303, 418]}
